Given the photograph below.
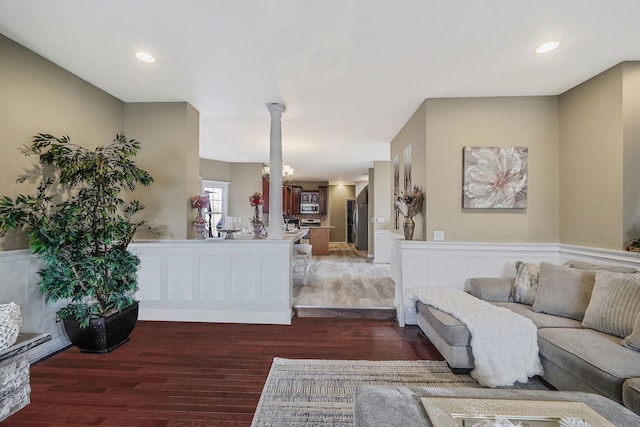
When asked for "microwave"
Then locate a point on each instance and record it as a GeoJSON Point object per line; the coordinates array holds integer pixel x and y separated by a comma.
{"type": "Point", "coordinates": [309, 208]}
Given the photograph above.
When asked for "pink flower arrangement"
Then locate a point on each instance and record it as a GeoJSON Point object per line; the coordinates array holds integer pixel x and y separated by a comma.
{"type": "Point", "coordinates": [199, 202]}
{"type": "Point", "coordinates": [256, 199]}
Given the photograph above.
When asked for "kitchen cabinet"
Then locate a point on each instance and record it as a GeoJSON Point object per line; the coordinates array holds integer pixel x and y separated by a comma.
{"type": "Point", "coordinates": [296, 194]}
{"type": "Point", "coordinates": [286, 200]}
{"type": "Point", "coordinates": [319, 239]}
{"type": "Point", "coordinates": [309, 197]}
{"type": "Point", "coordinates": [265, 195]}
{"type": "Point", "coordinates": [291, 196]}
{"type": "Point", "coordinates": [322, 199]}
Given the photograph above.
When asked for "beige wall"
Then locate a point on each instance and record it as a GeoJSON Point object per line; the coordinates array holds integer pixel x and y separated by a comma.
{"type": "Point", "coordinates": [599, 154]}
{"type": "Point", "coordinates": [309, 185]}
{"type": "Point", "coordinates": [631, 153]}
{"type": "Point", "coordinates": [382, 190]}
{"type": "Point", "coordinates": [439, 130]}
{"type": "Point", "coordinates": [169, 138]}
{"type": "Point", "coordinates": [191, 146]}
{"type": "Point", "coordinates": [371, 207]}
{"type": "Point", "coordinates": [246, 179]}
{"type": "Point", "coordinates": [452, 124]}
{"type": "Point", "coordinates": [215, 170]}
{"type": "Point", "coordinates": [338, 194]}
{"type": "Point", "coordinates": [38, 96]}
{"type": "Point", "coordinates": [584, 148]}
{"type": "Point", "coordinates": [591, 162]}
{"type": "Point", "coordinates": [412, 133]}
{"type": "Point", "coordinates": [360, 185]}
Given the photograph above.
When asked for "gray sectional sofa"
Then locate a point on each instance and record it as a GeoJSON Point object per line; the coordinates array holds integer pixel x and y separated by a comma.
{"type": "Point", "coordinates": [583, 313]}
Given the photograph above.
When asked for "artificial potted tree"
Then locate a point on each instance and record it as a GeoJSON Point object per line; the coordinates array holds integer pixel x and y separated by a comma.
{"type": "Point", "coordinates": [80, 226]}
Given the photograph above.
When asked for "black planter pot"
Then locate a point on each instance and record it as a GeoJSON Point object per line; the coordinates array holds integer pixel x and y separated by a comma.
{"type": "Point", "coordinates": [103, 335]}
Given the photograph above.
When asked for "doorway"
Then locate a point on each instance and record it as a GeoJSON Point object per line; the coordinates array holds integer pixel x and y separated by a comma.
{"type": "Point", "coordinates": [350, 225]}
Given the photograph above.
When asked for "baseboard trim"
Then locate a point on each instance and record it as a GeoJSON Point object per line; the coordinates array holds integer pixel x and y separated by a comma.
{"type": "Point", "coordinates": [282, 317]}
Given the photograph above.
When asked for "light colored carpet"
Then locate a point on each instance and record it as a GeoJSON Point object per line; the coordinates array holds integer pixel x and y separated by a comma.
{"type": "Point", "coordinates": [320, 392]}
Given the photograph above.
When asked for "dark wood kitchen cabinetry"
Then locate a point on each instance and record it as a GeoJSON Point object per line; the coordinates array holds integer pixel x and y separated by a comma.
{"type": "Point", "coordinates": [290, 198]}
{"type": "Point", "coordinates": [309, 197]}
{"type": "Point", "coordinates": [286, 200]}
{"type": "Point", "coordinates": [296, 193]}
{"type": "Point", "coordinates": [322, 199]}
{"type": "Point", "coordinates": [265, 195]}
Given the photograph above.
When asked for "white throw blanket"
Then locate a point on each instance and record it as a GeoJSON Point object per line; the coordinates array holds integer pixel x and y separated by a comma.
{"type": "Point", "coordinates": [504, 344]}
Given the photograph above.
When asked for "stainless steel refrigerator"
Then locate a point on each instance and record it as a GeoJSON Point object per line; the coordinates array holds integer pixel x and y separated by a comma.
{"type": "Point", "coordinates": [361, 226]}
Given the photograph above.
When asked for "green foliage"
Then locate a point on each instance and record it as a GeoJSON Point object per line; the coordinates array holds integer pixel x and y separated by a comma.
{"type": "Point", "coordinates": [79, 224]}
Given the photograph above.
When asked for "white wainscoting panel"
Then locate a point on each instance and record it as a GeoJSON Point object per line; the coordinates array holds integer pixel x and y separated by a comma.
{"type": "Point", "coordinates": [151, 275]}
{"type": "Point", "coordinates": [272, 269]}
{"type": "Point", "coordinates": [18, 283]}
{"type": "Point", "coordinates": [452, 264]}
{"type": "Point", "coordinates": [599, 256]}
{"type": "Point", "coordinates": [251, 281]}
{"type": "Point", "coordinates": [180, 277]}
{"type": "Point", "coordinates": [239, 281]}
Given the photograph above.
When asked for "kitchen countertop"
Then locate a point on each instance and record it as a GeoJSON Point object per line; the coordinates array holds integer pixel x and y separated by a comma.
{"type": "Point", "coordinates": [294, 235]}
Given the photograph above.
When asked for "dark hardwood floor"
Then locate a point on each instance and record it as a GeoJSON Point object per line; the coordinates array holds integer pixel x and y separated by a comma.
{"type": "Point", "coordinates": [198, 374]}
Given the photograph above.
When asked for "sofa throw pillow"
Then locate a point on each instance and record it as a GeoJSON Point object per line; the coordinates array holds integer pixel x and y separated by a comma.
{"type": "Point", "coordinates": [526, 283]}
{"type": "Point", "coordinates": [589, 266]}
{"type": "Point", "coordinates": [563, 291]}
{"type": "Point", "coordinates": [633, 340]}
{"type": "Point", "coordinates": [615, 303]}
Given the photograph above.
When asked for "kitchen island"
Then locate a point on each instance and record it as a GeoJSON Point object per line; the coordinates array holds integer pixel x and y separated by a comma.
{"type": "Point", "coordinates": [319, 239]}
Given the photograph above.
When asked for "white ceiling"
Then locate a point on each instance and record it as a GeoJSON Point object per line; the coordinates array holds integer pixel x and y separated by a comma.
{"type": "Point", "coordinates": [351, 72]}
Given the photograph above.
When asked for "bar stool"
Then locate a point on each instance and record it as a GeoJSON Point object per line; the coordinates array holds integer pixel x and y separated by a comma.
{"type": "Point", "coordinates": [302, 252]}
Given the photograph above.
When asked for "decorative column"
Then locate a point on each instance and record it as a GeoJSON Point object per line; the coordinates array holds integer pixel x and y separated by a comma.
{"type": "Point", "coordinates": [275, 176]}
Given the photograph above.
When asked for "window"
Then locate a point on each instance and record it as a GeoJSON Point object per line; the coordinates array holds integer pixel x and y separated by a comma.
{"type": "Point", "coordinates": [216, 191]}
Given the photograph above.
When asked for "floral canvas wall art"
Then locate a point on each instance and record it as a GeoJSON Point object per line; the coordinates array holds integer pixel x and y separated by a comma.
{"type": "Point", "coordinates": [495, 177]}
{"type": "Point", "coordinates": [407, 168]}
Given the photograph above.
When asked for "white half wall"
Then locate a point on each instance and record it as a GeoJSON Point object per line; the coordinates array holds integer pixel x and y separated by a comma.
{"type": "Point", "coordinates": [451, 264]}
{"type": "Point", "coordinates": [18, 283]}
{"type": "Point", "coordinates": [234, 281]}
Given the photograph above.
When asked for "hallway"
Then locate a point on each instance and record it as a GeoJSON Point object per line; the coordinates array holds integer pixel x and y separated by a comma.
{"type": "Point", "coordinates": [344, 278]}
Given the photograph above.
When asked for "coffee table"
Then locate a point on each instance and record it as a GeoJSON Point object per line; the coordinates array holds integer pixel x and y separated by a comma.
{"type": "Point", "coordinates": [401, 406]}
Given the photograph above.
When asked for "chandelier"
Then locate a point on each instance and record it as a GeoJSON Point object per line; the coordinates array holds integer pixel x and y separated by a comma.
{"type": "Point", "coordinates": [287, 172]}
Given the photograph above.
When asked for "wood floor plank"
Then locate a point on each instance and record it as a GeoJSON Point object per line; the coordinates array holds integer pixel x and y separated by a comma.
{"type": "Point", "coordinates": [344, 278]}
{"type": "Point", "coordinates": [175, 374]}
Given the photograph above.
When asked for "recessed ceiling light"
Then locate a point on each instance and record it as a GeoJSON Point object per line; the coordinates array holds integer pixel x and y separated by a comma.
{"type": "Point", "coordinates": [547, 46]}
{"type": "Point", "coordinates": [145, 57]}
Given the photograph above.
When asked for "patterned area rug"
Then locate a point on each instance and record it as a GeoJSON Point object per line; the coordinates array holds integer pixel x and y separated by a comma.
{"type": "Point", "coordinates": [320, 392]}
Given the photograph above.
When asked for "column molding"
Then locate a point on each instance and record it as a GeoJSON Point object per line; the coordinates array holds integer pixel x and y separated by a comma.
{"type": "Point", "coordinates": [275, 163]}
